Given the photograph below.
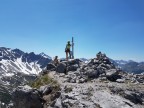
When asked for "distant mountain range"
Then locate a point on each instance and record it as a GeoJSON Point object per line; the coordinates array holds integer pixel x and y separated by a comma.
{"type": "Point", "coordinates": [130, 66]}
{"type": "Point", "coordinates": [15, 60]}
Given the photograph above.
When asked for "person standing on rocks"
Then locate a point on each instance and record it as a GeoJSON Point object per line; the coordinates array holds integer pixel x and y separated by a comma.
{"type": "Point", "coordinates": [67, 50]}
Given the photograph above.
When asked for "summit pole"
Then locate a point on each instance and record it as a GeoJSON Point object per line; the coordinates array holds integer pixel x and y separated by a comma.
{"type": "Point", "coordinates": [72, 48]}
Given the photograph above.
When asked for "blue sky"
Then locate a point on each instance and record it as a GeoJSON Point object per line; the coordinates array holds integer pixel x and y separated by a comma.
{"type": "Point", "coordinates": [115, 27]}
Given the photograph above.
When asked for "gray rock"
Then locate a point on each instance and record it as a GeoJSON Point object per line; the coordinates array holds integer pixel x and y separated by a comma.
{"type": "Point", "coordinates": [93, 74]}
{"type": "Point", "coordinates": [58, 103]}
{"type": "Point", "coordinates": [73, 80]}
{"type": "Point", "coordinates": [120, 80]}
{"type": "Point", "coordinates": [56, 96]}
{"type": "Point", "coordinates": [45, 90]}
{"type": "Point", "coordinates": [51, 66]}
{"type": "Point", "coordinates": [61, 68]}
{"type": "Point", "coordinates": [26, 97]}
{"type": "Point", "coordinates": [111, 72]}
{"type": "Point", "coordinates": [136, 98]}
{"type": "Point", "coordinates": [82, 80]}
{"type": "Point", "coordinates": [113, 75]}
{"type": "Point", "coordinates": [73, 67]}
{"type": "Point", "coordinates": [73, 62]}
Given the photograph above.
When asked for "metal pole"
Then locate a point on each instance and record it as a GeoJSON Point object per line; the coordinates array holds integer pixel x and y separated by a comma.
{"type": "Point", "coordinates": [72, 48]}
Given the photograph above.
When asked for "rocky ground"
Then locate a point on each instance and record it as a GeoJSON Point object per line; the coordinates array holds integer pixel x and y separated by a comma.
{"type": "Point", "coordinates": [74, 84]}
{"type": "Point", "coordinates": [99, 93]}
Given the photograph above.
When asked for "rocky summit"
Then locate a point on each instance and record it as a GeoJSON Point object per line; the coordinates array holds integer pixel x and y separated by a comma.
{"type": "Point", "coordinates": [75, 84]}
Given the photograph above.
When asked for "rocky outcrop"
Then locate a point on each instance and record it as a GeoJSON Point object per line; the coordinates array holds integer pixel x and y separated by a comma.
{"type": "Point", "coordinates": [26, 97]}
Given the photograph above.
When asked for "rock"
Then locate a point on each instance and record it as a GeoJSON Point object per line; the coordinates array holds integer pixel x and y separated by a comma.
{"type": "Point", "coordinates": [73, 80]}
{"type": "Point", "coordinates": [113, 75]}
{"type": "Point", "coordinates": [61, 68]}
{"type": "Point", "coordinates": [10, 105]}
{"type": "Point", "coordinates": [103, 78]}
{"type": "Point", "coordinates": [58, 103]}
{"type": "Point", "coordinates": [134, 97]}
{"type": "Point", "coordinates": [73, 67]}
{"type": "Point", "coordinates": [120, 80]}
{"type": "Point", "coordinates": [82, 80]}
{"type": "Point", "coordinates": [93, 74]}
{"type": "Point", "coordinates": [68, 89]}
{"type": "Point", "coordinates": [55, 96]}
{"type": "Point", "coordinates": [51, 66]}
{"type": "Point", "coordinates": [74, 62]}
{"type": "Point", "coordinates": [111, 72]}
{"type": "Point", "coordinates": [26, 97]}
{"type": "Point", "coordinates": [45, 90]}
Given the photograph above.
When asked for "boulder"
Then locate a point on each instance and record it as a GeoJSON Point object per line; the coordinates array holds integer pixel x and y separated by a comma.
{"type": "Point", "coordinates": [92, 73]}
{"type": "Point", "coordinates": [26, 97]}
{"type": "Point", "coordinates": [61, 68]}
{"type": "Point", "coordinates": [111, 72]}
{"type": "Point", "coordinates": [73, 67]}
{"type": "Point", "coordinates": [136, 98]}
{"type": "Point", "coordinates": [51, 66]}
{"type": "Point", "coordinates": [113, 75]}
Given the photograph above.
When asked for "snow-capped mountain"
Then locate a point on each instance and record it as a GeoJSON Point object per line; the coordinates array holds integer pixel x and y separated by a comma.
{"type": "Point", "coordinates": [45, 56]}
{"type": "Point", "coordinates": [14, 60]}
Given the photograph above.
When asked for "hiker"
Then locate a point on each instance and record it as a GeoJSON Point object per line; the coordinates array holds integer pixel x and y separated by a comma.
{"type": "Point", "coordinates": [67, 50]}
{"type": "Point", "coordinates": [56, 61]}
